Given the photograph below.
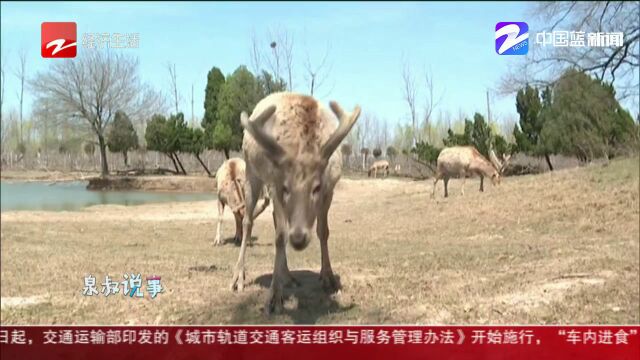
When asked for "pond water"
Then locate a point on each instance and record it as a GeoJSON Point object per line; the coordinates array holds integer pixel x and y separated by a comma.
{"type": "Point", "coordinates": [74, 196]}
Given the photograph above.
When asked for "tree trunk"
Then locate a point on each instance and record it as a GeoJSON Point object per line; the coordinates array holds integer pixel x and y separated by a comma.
{"type": "Point", "coordinates": [103, 156]}
{"type": "Point", "coordinates": [126, 160]}
{"type": "Point", "coordinates": [180, 163]}
{"type": "Point", "coordinates": [226, 153]}
{"type": "Point", "coordinates": [548, 159]}
{"type": "Point", "coordinates": [313, 82]}
{"type": "Point", "coordinates": [203, 165]}
{"type": "Point", "coordinates": [175, 165]}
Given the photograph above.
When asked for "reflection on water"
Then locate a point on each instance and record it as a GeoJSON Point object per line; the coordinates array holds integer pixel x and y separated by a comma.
{"type": "Point", "coordinates": [75, 196]}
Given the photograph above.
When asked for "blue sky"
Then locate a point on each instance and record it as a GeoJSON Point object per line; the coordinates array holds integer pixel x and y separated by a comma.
{"type": "Point", "coordinates": [368, 42]}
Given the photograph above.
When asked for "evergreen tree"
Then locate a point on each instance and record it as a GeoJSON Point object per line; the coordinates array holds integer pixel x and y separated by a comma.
{"type": "Point", "coordinates": [529, 129]}
{"type": "Point", "coordinates": [122, 136]}
{"type": "Point", "coordinates": [584, 119]}
{"type": "Point", "coordinates": [241, 92]}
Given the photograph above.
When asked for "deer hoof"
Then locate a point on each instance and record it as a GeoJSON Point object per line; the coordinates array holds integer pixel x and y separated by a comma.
{"type": "Point", "coordinates": [274, 305]}
{"type": "Point", "coordinates": [329, 283]}
{"type": "Point", "coordinates": [237, 283]}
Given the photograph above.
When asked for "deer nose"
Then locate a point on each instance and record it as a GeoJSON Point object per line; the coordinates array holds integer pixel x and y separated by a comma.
{"type": "Point", "coordinates": [298, 239]}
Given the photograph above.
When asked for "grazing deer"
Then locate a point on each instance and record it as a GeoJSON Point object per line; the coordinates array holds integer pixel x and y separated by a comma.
{"type": "Point", "coordinates": [230, 180]}
{"type": "Point", "coordinates": [463, 161]}
{"type": "Point", "coordinates": [382, 165]}
{"type": "Point", "coordinates": [291, 145]}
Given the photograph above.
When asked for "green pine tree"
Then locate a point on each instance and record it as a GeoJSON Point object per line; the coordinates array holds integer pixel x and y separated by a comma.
{"type": "Point", "coordinates": [122, 136]}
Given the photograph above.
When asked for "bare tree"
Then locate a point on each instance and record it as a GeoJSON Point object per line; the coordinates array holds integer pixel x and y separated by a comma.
{"type": "Point", "coordinates": [49, 116]}
{"type": "Point", "coordinates": [5, 126]}
{"type": "Point", "coordinates": [365, 154]}
{"type": "Point", "coordinates": [616, 64]}
{"type": "Point", "coordinates": [278, 59]}
{"type": "Point", "coordinates": [193, 120]}
{"type": "Point", "coordinates": [255, 53]}
{"type": "Point", "coordinates": [316, 75]}
{"type": "Point", "coordinates": [353, 139]}
{"type": "Point", "coordinates": [284, 52]}
{"type": "Point", "coordinates": [3, 77]}
{"type": "Point", "coordinates": [174, 83]}
{"type": "Point", "coordinates": [93, 87]}
{"type": "Point", "coordinates": [287, 45]}
{"type": "Point", "coordinates": [21, 72]}
{"type": "Point", "coordinates": [364, 129]}
{"type": "Point", "coordinates": [410, 98]}
{"type": "Point", "coordinates": [376, 140]}
{"type": "Point", "coordinates": [384, 140]}
{"type": "Point", "coordinates": [431, 102]}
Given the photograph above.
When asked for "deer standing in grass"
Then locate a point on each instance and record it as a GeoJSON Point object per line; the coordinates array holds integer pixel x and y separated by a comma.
{"type": "Point", "coordinates": [291, 145]}
{"type": "Point", "coordinates": [230, 180]}
{"type": "Point", "coordinates": [382, 165]}
{"type": "Point", "coordinates": [463, 161]}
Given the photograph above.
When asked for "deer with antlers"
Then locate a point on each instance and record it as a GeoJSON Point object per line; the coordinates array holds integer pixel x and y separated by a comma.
{"type": "Point", "coordinates": [291, 145]}
{"type": "Point", "coordinates": [463, 161]}
{"type": "Point", "coordinates": [230, 180]}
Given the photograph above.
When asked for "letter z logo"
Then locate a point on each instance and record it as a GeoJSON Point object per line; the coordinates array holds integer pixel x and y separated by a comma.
{"type": "Point", "coordinates": [512, 38]}
{"type": "Point", "coordinates": [58, 40]}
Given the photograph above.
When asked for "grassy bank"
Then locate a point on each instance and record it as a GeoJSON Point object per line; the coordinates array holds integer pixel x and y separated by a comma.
{"type": "Point", "coordinates": [559, 247]}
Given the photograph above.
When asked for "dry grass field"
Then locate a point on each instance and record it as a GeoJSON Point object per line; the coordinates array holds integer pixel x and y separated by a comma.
{"type": "Point", "coordinates": [560, 247]}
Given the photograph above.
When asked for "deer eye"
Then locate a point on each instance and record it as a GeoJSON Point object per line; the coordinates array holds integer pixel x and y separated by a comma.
{"type": "Point", "coordinates": [285, 190]}
{"type": "Point", "coordinates": [316, 189]}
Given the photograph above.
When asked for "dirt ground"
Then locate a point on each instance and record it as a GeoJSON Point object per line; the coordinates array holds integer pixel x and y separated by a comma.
{"type": "Point", "coordinates": [560, 247]}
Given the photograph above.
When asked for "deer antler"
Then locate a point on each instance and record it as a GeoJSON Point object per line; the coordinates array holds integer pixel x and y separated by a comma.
{"type": "Point", "coordinates": [494, 160]}
{"type": "Point", "coordinates": [505, 163]}
{"type": "Point", "coordinates": [346, 123]}
{"type": "Point", "coordinates": [255, 128]}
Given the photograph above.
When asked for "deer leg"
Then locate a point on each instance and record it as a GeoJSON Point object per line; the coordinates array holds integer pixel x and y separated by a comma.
{"type": "Point", "coordinates": [289, 280]}
{"type": "Point", "coordinates": [435, 182]}
{"type": "Point", "coordinates": [464, 180]}
{"type": "Point", "coordinates": [262, 207]}
{"type": "Point", "coordinates": [251, 198]}
{"type": "Point", "coordinates": [446, 186]}
{"type": "Point", "coordinates": [327, 279]}
{"type": "Point", "coordinates": [238, 238]}
{"type": "Point", "coordinates": [218, 239]}
{"type": "Point", "coordinates": [275, 302]}
{"type": "Point", "coordinates": [481, 183]}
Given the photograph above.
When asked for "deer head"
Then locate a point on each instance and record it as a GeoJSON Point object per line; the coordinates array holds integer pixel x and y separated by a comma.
{"type": "Point", "coordinates": [500, 166]}
{"type": "Point", "coordinates": [299, 187]}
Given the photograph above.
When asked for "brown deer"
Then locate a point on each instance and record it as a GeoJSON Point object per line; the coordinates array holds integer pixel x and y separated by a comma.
{"type": "Point", "coordinates": [382, 165]}
{"type": "Point", "coordinates": [230, 181]}
{"type": "Point", "coordinates": [463, 161]}
{"type": "Point", "coordinates": [291, 145]}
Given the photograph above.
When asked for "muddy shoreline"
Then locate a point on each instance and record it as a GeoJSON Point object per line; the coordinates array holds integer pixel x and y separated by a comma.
{"type": "Point", "coordinates": [154, 183]}
{"type": "Point", "coordinates": [160, 183]}
{"type": "Point", "coordinates": [45, 176]}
